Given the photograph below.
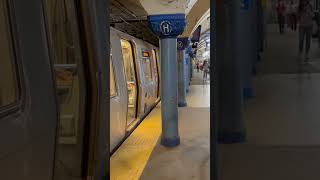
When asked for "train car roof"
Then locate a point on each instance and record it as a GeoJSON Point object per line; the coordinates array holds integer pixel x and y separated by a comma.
{"type": "Point", "coordinates": [128, 35]}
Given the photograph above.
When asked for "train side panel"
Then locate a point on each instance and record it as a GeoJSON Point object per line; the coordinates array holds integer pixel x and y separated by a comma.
{"type": "Point", "coordinates": [118, 101]}
{"type": "Point", "coordinates": [127, 52]}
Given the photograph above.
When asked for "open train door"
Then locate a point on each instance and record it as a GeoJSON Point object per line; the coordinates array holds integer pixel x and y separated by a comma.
{"type": "Point", "coordinates": [28, 111]}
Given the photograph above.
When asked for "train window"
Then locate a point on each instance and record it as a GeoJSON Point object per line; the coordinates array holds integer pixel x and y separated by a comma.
{"type": "Point", "coordinates": [64, 43]}
{"type": "Point", "coordinates": [128, 61]}
{"type": "Point", "coordinates": [147, 68]}
{"type": "Point", "coordinates": [9, 89]}
{"type": "Point", "coordinates": [113, 87]}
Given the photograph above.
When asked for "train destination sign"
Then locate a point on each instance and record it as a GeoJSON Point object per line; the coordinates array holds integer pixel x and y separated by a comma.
{"type": "Point", "coordinates": [145, 54]}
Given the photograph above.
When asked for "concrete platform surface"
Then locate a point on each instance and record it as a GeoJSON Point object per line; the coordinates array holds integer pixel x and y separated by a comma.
{"type": "Point", "coordinates": [281, 54]}
{"type": "Point", "coordinates": [197, 78]}
{"type": "Point", "coordinates": [282, 120]}
{"type": "Point", "coordinates": [199, 96]}
{"type": "Point", "coordinates": [285, 111]}
{"type": "Point", "coordinates": [251, 162]}
{"type": "Point", "coordinates": [142, 157]}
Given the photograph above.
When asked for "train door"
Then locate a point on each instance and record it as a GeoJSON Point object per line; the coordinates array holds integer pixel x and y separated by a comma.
{"type": "Point", "coordinates": [64, 37]}
{"type": "Point", "coordinates": [155, 67]}
{"type": "Point", "coordinates": [28, 112]}
{"type": "Point", "coordinates": [131, 77]}
{"type": "Point", "coordinates": [147, 69]}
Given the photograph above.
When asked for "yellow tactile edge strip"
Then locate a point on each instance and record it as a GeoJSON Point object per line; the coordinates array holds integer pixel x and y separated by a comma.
{"type": "Point", "coordinates": [131, 158]}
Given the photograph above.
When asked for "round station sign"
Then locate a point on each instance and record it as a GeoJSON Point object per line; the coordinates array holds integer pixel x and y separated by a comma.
{"type": "Point", "coordinates": [180, 44]}
{"type": "Point", "coordinates": [165, 27]}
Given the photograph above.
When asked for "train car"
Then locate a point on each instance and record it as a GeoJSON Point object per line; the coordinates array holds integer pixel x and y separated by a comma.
{"type": "Point", "coordinates": [134, 83]}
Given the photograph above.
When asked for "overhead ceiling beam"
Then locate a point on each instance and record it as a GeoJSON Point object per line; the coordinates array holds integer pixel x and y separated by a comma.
{"type": "Point", "coordinates": [130, 21]}
{"type": "Point", "coordinates": [124, 19]}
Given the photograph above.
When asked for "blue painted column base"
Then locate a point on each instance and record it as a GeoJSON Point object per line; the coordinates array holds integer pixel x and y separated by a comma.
{"type": "Point", "coordinates": [231, 138]}
{"type": "Point", "coordinates": [170, 142]}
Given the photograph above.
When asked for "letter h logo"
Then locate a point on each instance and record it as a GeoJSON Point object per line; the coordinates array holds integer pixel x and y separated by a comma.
{"type": "Point", "coordinates": [165, 27]}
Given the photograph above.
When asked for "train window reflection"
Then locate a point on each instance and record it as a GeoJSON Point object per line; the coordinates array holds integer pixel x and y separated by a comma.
{"type": "Point", "coordinates": [9, 93]}
{"type": "Point", "coordinates": [128, 61]}
{"type": "Point", "coordinates": [70, 84]}
{"type": "Point", "coordinates": [113, 88]}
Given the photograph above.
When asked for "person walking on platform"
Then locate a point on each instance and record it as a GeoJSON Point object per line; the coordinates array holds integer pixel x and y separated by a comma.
{"type": "Point", "coordinates": [305, 14]}
{"type": "Point", "coordinates": [317, 19]}
{"type": "Point", "coordinates": [281, 9]}
{"type": "Point", "coordinates": [197, 65]}
{"type": "Point", "coordinates": [292, 13]}
{"type": "Point", "coordinates": [205, 70]}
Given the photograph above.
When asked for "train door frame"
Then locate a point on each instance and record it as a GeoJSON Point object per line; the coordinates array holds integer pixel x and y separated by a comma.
{"type": "Point", "coordinates": [83, 76]}
{"type": "Point", "coordinates": [92, 19]}
{"type": "Point", "coordinates": [114, 75]}
{"type": "Point", "coordinates": [137, 81]}
{"type": "Point", "coordinates": [118, 121]}
{"type": "Point", "coordinates": [154, 54]}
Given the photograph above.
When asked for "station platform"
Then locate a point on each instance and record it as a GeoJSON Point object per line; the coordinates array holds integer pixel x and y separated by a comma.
{"type": "Point", "coordinates": [282, 120]}
{"type": "Point", "coordinates": [198, 79]}
{"type": "Point", "coordinates": [142, 156]}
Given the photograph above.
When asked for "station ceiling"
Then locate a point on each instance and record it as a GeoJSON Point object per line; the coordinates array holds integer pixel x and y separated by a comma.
{"type": "Point", "coordinates": [130, 17]}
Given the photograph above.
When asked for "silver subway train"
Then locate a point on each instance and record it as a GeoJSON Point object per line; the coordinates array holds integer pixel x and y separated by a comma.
{"type": "Point", "coordinates": [134, 83]}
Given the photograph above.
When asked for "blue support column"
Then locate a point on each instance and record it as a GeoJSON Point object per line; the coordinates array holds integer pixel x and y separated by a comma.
{"type": "Point", "coordinates": [242, 14]}
{"type": "Point", "coordinates": [187, 72]}
{"type": "Point", "coordinates": [190, 52]}
{"type": "Point", "coordinates": [255, 36]}
{"type": "Point", "coordinates": [260, 26]}
{"type": "Point", "coordinates": [187, 66]}
{"type": "Point", "coordinates": [229, 72]}
{"type": "Point", "coordinates": [191, 68]}
{"type": "Point", "coordinates": [190, 55]}
{"type": "Point", "coordinates": [182, 43]}
{"type": "Point", "coordinates": [252, 42]}
{"type": "Point", "coordinates": [168, 27]}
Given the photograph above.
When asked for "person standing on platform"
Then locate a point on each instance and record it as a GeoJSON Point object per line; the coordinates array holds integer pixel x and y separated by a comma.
{"type": "Point", "coordinates": [281, 9]}
{"type": "Point", "coordinates": [305, 15]}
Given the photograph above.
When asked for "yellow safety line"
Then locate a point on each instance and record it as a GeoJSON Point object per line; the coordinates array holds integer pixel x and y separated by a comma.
{"type": "Point", "coordinates": [132, 157]}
